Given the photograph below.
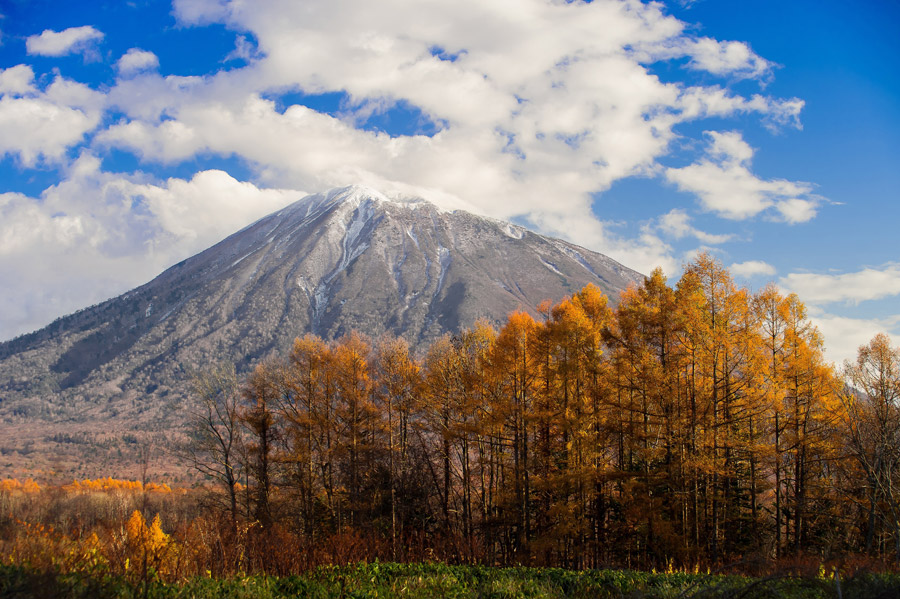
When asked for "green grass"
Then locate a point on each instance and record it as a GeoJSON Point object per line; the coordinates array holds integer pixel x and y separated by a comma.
{"type": "Point", "coordinates": [423, 581]}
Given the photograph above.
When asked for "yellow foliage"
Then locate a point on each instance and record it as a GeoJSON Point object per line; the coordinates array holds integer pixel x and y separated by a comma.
{"type": "Point", "coordinates": [42, 546]}
{"type": "Point", "coordinates": [112, 484]}
{"type": "Point", "coordinates": [86, 555]}
{"type": "Point", "coordinates": [12, 484]}
{"type": "Point", "coordinates": [134, 528]}
{"type": "Point", "coordinates": [157, 488]}
{"type": "Point", "coordinates": [156, 538]}
{"type": "Point", "coordinates": [146, 540]}
{"type": "Point", "coordinates": [104, 484]}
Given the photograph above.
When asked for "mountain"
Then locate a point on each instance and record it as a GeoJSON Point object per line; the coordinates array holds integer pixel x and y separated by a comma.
{"type": "Point", "coordinates": [347, 259]}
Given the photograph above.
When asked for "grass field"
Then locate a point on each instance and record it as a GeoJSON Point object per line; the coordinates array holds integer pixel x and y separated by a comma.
{"type": "Point", "coordinates": [381, 580]}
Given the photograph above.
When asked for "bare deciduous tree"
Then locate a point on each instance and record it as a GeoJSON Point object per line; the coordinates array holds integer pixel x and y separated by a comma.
{"type": "Point", "coordinates": [214, 447]}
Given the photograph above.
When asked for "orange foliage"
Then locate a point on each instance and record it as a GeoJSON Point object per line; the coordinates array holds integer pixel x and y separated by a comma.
{"type": "Point", "coordinates": [142, 538]}
{"type": "Point", "coordinates": [11, 484]}
{"type": "Point", "coordinates": [112, 484]}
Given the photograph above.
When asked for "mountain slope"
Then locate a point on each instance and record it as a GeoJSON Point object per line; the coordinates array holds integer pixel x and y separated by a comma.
{"type": "Point", "coordinates": [347, 259]}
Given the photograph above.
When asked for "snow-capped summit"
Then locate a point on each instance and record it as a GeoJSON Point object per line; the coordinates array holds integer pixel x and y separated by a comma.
{"type": "Point", "coordinates": [355, 193]}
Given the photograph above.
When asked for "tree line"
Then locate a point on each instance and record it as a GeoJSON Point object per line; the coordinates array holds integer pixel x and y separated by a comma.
{"type": "Point", "coordinates": [689, 425]}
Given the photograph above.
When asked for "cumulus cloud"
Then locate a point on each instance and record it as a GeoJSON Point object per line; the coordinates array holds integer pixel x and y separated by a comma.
{"type": "Point", "coordinates": [852, 287]}
{"type": "Point", "coordinates": [97, 234]}
{"type": "Point", "coordinates": [211, 205]}
{"type": "Point", "coordinates": [528, 104]}
{"type": "Point", "coordinates": [38, 125]}
{"type": "Point", "coordinates": [68, 41]}
{"type": "Point", "coordinates": [725, 185]}
{"type": "Point", "coordinates": [711, 101]}
{"type": "Point", "coordinates": [797, 210]}
{"type": "Point", "coordinates": [136, 60]}
{"type": "Point", "coordinates": [728, 58]}
{"type": "Point", "coordinates": [677, 224]}
{"type": "Point", "coordinates": [244, 49]}
{"type": "Point", "coordinates": [752, 268]}
{"type": "Point", "coordinates": [17, 80]}
{"type": "Point", "coordinates": [200, 12]}
{"type": "Point", "coordinates": [843, 336]}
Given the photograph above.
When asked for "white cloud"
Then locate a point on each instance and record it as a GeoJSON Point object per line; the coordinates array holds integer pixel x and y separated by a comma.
{"type": "Point", "coordinates": [797, 210]}
{"type": "Point", "coordinates": [136, 60]}
{"type": "Point", "coordinates": [244, 49]}
{"type": "Point", "coordinates": [728, 58]}
{"type": "Point", "coordinates": [698, 102]}
{"type": "Point", "coordinates": [843, 336]}
{"type": "Point", "coordinates": [34, 128]}
{"type": "Point", "coordinates": [752, 268]}
{"type": "Point", "coordinates": [646, 253]}
{"type": "Point", "coordinates": [97, 234]}
{"type": "Point", "coordinates": [209, 206]}
{"type": "Point", "coordinates": [724, 184]}
{"type": "Point", "coordinates": [59, 43]}
{"type": "Point", "coordinates": [677, 224]}
{"type": "Point", "coordinates": [854, 287]}
{"type": "Point", "coordinates": [41, 125]}
{"type": "Point", "coordinates": [547, 100]}
{"type": "Point", "coordinates": [200, 12]}
{"type": "Point", "coordinates": [17, 80]}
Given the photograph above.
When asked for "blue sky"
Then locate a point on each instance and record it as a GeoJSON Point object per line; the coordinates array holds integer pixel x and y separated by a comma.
{"type": "Point", "coordinates": [133, 135]}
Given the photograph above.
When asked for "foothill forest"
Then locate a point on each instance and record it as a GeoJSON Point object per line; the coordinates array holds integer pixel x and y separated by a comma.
{"type": "Point", "coordinates": [690, 429]}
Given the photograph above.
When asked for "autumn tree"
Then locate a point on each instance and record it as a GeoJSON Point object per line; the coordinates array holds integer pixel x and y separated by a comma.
{"type": "Point", "coordinates": [727, 406]}
{"type": "Point", "coordinates": [147, 548]}
{"type": "Point", "coordinates": [576, 381]}
{"type": "Point", "coordinates": [809, 392]}
{"type": "Point", "coordinates": [512, 374]}
{"type": "Point", "coordinates": [262, 392]}
{"type": "Point", "coordinates": [771, 311]}
{"type": "Point", "coordinates": [306, 443]}
{"type": "Point", "coordinates": [359, 427]}
{"type": "Point", "coordinates": [872, 403]}
{"type": "Point", "coordinates": [454, 417]}
{"type": "Point", "coordinates": [648, 423]}
{"type": "Point", "coordinates": [397, 386]}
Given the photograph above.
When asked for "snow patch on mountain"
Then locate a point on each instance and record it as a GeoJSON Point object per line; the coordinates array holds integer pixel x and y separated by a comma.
{"type": "Point", "coordinates": [513, 231]}
{"type": "Point", "coordinates": [444, 260]}
{"type": "Point", "coordinates": [412, 235]}
{"type": "Point", "coordinates": [577, 257]}
{"type": "Point", "coordinates": [550, 266]}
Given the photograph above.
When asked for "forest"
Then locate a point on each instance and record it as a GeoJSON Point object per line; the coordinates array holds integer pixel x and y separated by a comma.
{"type": "Point", "coordinates": [693, 424]}
{"type": "Point", "coordinates": [688, 427]}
